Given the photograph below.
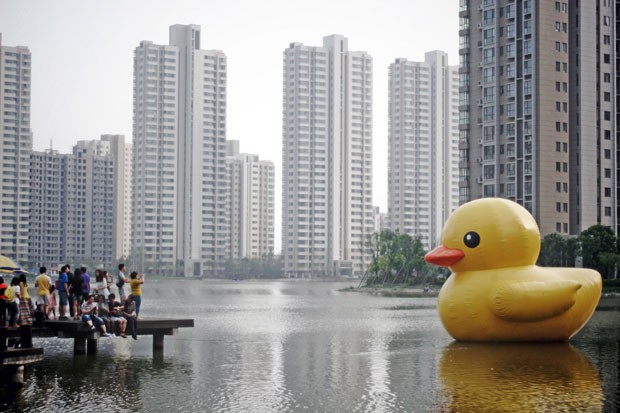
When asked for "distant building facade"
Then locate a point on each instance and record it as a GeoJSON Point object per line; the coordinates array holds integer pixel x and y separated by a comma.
{"type": "Point", "coordinates": [538, 116]}
{"type": "Point", "coordinates": [16, 145]}
{"type": "Point", "coordinates": [122, 193]}
{"type": "Point", "coordinates": [180, 185]}
{"type": "Point", "coordinates": [251, 204]}
{"type": "Point", "coordinates": [327, 211]}
{"type": "Point", "coordinates": [72, 217]}
{"type": "Point", "coordinates": [423, 155]}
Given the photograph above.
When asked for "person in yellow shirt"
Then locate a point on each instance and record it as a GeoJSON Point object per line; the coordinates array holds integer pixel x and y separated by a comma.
{"type": "Point", "coordinates": [135, 282]}
{"type": "Point", "coordinates": [43, 284]}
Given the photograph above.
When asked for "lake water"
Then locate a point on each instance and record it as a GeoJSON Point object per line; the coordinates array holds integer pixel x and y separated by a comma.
{"type": "Point", "coordinates": [305, 346]}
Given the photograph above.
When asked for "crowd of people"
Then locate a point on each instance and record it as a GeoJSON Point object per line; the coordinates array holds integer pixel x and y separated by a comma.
{"type": "Point", "coordinates": [85, 299]}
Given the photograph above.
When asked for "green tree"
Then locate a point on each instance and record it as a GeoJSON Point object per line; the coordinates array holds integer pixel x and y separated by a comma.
{"type": "Point", "coordinates": [396, 258]}
{"type": "Point", "coordinates": [598, 245]}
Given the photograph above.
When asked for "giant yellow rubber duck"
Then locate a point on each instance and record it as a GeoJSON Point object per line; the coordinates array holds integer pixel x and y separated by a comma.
{"type": "Point", "coordinates": [496, 292]}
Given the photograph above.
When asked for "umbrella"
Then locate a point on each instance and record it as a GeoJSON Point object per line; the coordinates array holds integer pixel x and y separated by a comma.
{"type": "Point", "coordinates": [8, 266]}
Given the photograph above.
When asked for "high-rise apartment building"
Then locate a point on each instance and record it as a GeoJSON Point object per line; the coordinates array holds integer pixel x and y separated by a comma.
{"type": "Point", "coordinates": [327, 211]}
{"type": "Point", "coordinates": [73, 212]}
{"type": "Point", "coordinates": [423, 155]}
{"type": "Point", "coordinates": [179, 147]}
{"type": "Point", "coordinates": [122, 195]}
{"type": "Point", "coordinates": [593, 106]}
{"type": "Point", "coordinates": [15, 145]}
{"type": "Point", "coordinates": [537, 114]}
{"type": "Point", "coordinates": [251, 204]}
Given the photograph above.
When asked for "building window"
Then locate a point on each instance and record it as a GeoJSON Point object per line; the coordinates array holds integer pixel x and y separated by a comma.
{"type": "Point", "coordinates": [510, 30]}
{"type": "Point", "coordinates": [489, 75]}
{"type": "Point", "coordinates": [607, 211]}
{"type": "Point", "coordinates": [558, 227]}
{"type": "Point", "coordinates": [489, 113]}
{"type": "Point", "coordinates": [510, 189]}
{"type": "Point", "coordinates": [606, 77]}
{"type": "Point", "coordinates": [607, 192]}
{"type": "Point", "coordinates": [488, 36]}
{"type": "Point", "coordinates": [607, 173]}
{"type": "Point", "coordinates": [607, 135]}
{"type": "Point", "coordinates": [489, 190]}
{"type": "Point", "coordinates": [510, 110]}
{"type": "Point", "coordinates": [606, 58]}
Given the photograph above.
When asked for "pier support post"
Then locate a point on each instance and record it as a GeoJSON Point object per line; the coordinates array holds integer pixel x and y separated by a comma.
{"type": "Point", "coordinates": [17, 376]}
{"type": "Point", "coordinates": [91, 345]}
{"type": "Point", "coordinates": [158, 342]}
{"type": "Point", "coordinates": [79, 345]}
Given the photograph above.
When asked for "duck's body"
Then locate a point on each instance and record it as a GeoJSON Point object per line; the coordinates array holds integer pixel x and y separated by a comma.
{"type": "Point", "coordinates": [527, 303]}
{"type": "Point", "coordinates": [495, 292]}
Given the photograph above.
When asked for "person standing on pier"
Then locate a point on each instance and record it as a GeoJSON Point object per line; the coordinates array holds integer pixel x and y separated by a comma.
{"type": "Point", "coordinates": [63, 290]}
{"type": "Point", "coordinates": [136, 290]}
{"type": "Point", "coordinates": [86, 285]}
{"type": "Point", "coordinates": [24, 293]}
{"type": "Point", "coordinates": [43, 283]}
{"type": "Point", "coordinates": [120, 282]}
{"type": "Point", "coordinates": [129, 312]}
{"type": "Point", "coordinates": [3, 300]}
{"type": "Point", "coordinates": [76, 293]}
{"type": "Point", "coordinates": [13, 293]}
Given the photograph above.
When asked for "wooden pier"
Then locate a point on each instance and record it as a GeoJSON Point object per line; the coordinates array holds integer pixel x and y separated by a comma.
{"type": "Point", "coordinates": [85, 340]}
{"type": "Point", "coordinates": [13, 359]}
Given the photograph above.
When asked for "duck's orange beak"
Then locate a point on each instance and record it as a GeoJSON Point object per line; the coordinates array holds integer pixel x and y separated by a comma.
{"type": "Point", "coordinates": [444, 256]}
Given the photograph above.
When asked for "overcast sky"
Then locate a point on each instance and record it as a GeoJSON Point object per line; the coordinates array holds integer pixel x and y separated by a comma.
{"type": "Point", "coordinates": [82, 63]}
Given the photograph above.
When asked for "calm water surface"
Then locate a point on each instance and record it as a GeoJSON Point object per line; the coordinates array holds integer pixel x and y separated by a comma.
{"type": "Point", "coordinates": [304, 346]}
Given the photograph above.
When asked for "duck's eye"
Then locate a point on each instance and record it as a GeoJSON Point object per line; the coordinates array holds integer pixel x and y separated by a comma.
{"type": "Point", "coordinates": [471, 239]}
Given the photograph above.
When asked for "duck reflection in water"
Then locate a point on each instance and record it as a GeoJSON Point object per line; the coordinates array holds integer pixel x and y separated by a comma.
{"type": "Point", "coordinates": [518, 377]}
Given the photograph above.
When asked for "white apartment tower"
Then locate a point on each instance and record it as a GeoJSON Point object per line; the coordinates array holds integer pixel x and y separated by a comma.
{"type": "Point", "coordinates": [251, 205]}
{"type": "Point", "coordinates": [180, 185]}
{"type": "Point", "coordinates": [127, 197]}
{"type": "Point", "coordinates": [423, 146]}
{"type": "Point", "coordinates": [122, 195]}
{"type": "Point", "coordinates": [16, 145]}
{"type": "Point", "coordinates": [327, 211]}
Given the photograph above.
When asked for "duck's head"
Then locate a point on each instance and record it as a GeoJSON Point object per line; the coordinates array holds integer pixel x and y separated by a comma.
{"type": "Point", "coordinates": [487, 233]}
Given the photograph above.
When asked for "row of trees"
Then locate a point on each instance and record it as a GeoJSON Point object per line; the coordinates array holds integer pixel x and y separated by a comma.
{"type": "Point", "coordinates": [398, 259]}
{"type": "Point", "coordinates": [597, 247]}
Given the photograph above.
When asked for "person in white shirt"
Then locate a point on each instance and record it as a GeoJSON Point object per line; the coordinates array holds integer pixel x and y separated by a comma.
{"type": "Point", "coordinates": [13, 294]}
{"type": "Point", "coordinates": [89, 315]}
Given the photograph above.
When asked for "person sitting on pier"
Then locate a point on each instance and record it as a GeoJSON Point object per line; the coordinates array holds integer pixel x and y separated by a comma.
{"type": "Point", "coordinates": [116, 315]}
{"type": "Point", "coordinates": [129, 312]}
{"type": "Point", "coordinates": [89, 315]}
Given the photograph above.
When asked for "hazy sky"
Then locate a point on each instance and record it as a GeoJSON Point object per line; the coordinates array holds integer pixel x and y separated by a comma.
{"type": "Point", "coordinates": [82, 59]}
